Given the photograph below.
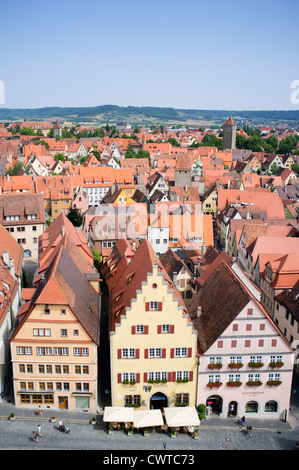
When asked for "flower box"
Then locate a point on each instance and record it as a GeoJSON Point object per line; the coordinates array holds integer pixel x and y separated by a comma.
{"type": "Point", "coordinates": [182, 380]}
{"type": "Point", "coordinates": [214, 384]}
{"type": "Point", "coordinates": [234, 383]}
{"type": "Point", "coordinates": [235, 365]}
{"type": "Point", "coordinates": [254, 383]}
{"type": "Point", "coordinates": [215, 366]}
{"type": "Point", "coordinates": [276, 364]}
{"type": "Point", "coordinates": [273, 382]}
{"type": "Point", "coordinates": [255, 365]}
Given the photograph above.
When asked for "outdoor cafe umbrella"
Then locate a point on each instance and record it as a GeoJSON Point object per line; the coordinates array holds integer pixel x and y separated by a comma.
{"type": "Point", "coordinates": [118, 414]}
{"type": "Point", "coordinates": [181, 416]}
{"type": "Point", "coordinates": [147, 418]}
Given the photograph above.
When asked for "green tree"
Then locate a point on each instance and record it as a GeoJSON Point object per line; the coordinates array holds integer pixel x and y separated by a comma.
{"type": "Point", "coordinates": [13, 171]}
{"type": "Point", "coordinates": [75, 216]}
{"type": "Point", "coordinates": [130, 152]}
{"type": "Point", "coordinates": [97, 258]}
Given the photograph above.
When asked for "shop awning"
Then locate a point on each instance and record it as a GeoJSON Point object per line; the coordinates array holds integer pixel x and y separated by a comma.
{"type": "Point", "coordinates": [181, 416]}
{"type": "Point", "coordinates": [118, 414]}
{"type": "Point", "coordinates": [147, 418]}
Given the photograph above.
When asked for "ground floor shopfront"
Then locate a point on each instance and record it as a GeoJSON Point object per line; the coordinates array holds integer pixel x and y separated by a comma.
{"type": "Point", "coordinates": [57, 401]}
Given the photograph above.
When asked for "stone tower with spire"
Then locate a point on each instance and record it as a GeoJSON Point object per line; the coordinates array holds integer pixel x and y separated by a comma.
{"type": "Point", "coordinates": [57, 131]}
{"type": "Point", "coordinates": [229, 134]}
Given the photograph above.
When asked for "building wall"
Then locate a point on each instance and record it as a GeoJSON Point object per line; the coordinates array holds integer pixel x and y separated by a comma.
{"type": "Point", "coordinates": [124, 337]}
{"type": "Point", "coordinates": [55, 322]}
{"type": "Point", "coordinates": [250, 334]}
{"type": "Point", "coordinates": [27, 236]}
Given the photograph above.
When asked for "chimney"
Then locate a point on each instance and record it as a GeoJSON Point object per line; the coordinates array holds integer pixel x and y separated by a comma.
{"type": "Point", "coordinates": [6, 257]}
{"type": "Point", "coordinates": [175, 278]}
{"type": "Point", "coordinates": [63, 230]}
{"type": "Point", "coordinates": [12, 267]}
{"type": "Point", "coordinates": [199, 311]}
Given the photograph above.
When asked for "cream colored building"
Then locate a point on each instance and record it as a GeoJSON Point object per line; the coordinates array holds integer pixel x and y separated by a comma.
{"type": "Point", "coordinates": [54, 347]}
{"type": "Point", "coordinates": [153, 345]}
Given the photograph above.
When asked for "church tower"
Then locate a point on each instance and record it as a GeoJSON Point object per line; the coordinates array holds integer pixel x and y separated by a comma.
{"type": "Point", "coordinates": [229, 134]}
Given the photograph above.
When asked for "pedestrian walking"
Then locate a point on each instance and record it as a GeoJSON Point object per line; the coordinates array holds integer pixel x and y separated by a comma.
{"type": "Point", "coordinates": [40, 411]}
{"type": "Point", "coordinates": [35, 439]}
{"type": "Point", "coordinates": [243, 421]}
{"type": "Point", "coordinates": [39, 429]}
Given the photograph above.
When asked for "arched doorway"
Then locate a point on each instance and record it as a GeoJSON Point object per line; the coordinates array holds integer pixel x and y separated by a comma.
{"type": "Point", "coordinates": [232, 409]}
{"type": "Point", "coordinates": [214, 405]}
{"type": "Point", "coordinates": [158, 401]}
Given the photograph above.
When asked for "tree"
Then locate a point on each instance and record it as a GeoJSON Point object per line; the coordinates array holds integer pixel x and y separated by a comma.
{"type": "Point", "coordinates": [75, 216]}
{"type": "Point", "coordinates": [295, 168]}
{"type": "Point", "coordinates": [130, 152]}
{"type": "Point", "coordinates": [13, 171]}
{"type": "Point", "coordinates": [97, 258]}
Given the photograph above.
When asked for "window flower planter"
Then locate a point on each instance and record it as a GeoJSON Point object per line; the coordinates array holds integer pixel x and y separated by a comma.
{"type": "Point", "coordinates": [254, 383]}
{"type": "Point", "coordinates": [127, 382]}
{"type": "Point", "coordinates": [255, 365]}
{"type": "Point", "coordinates": [273, 382]}
{"type": "Point", "coordinates": [235, 365]}
{"type": "Point", "coordinates": [182, 381]}
{"type": "Point", "coordinates": [276, 364]}
{"type": "Point", "coordinates": [214, 384]}
{"type": "Point", "coordinates": [215, 366]}
{"type": "Point", "coordinates": [235, 383]}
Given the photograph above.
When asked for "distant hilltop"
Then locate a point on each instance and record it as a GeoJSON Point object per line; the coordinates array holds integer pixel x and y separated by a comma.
{"type": "Point", "coordinates": [141, 115]}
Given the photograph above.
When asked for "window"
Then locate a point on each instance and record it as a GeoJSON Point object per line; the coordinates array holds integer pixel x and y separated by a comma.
{"type": "Point", "coordinates": [155, 352]}
{"type": "Point", "coordinates": [41, 332]}
{"type": "Point", "coordinates": [157, 375]}
{"type": "Point", "coordinates": [215, 360]}
{"type": "Point", "coordinates": [132, 400]}
{"type": "Point", "coordinates": [24, 350]}
{"type": "Point", "coordinates": [128, 376]}
{"type": "Point", "coordinates": [235, 359]}
{"type": "Point", "coordinates": [181, 399]}
{"type": "Point", "coordinates": [181, 352]}
{"type": "Point", "coordinates": [234, 378]}
{"type": "Point", "coordinates": [182, 375]}
{"type": "Point", "coordinates": [214, 378]}
{"type": "Point", "coordinates": [128, 353]}
{"type": "Point", "coordinates": [64, 333]}
{"type": "Point", "coordinates": [254, 377]}
{"type": "Point", "coordinates": [154, 305]}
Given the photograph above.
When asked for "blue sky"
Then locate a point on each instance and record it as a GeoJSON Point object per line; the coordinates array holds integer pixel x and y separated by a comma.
{"type": "Point", "coordinates": [189, 54]}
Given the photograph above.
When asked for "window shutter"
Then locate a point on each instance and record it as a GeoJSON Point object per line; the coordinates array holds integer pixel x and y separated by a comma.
{"type": "Point", "coordinates": [160, 306]}
{"type": "Point", "coordinates": [145, 377]}
{"type": "Point", "coordinates": [169, 376]}
{"type": "Point", "coordinates": [146, 354]}
{"type": "Point", "coordinates": [138, 377]}
{"type": "Point", "coordinates": [173, 376]}
{"type": "Point", "coordinates": [163, 353]}
{"type": "Point", "coordinates": [137, 354]}
{"type": "Point", "coordinates": [146, 329]}
{"type": "Point", "coordinates": [119, 353]}
{"type": "Point", "coordinates": [133, 329]}
{"type": "Point", "coordinates": [119, 378]}
{"type": "Point", "coordinates": [191, 376]}
{"type": "Point", "coordinates": [147, 306]}
{"type": "Point", "coordinates": [189, 352]}
{"type": "Point", "coordinates": [172, 352]}
{"type": "Point", "coordinates": [172, 329]}
{"type": "Point", "coordinates": [159, 329]}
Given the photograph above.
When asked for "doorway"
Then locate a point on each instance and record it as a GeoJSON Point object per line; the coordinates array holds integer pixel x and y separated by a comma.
{"type": "Point", "coordinates": [214, 405]}
{"type": "Point", "coordinates": [158, 401]}
{"type": "Point", "coordinates": [63, 403]}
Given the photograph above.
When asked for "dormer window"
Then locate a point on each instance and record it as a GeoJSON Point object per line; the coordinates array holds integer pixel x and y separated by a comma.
{"type": "Point", "coordinates": [47, 310]}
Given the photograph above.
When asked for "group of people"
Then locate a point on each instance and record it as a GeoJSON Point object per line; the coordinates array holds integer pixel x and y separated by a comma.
{"type": "Point", "coordinates": [249, 428]}
{"type": "Point", "coordinates": [37, 433]}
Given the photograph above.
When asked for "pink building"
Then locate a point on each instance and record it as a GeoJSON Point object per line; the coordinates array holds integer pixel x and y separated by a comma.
{"type": "Point", "coordinates": [245, 363]}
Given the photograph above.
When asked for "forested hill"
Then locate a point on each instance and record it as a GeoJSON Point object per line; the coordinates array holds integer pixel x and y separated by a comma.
{"type": "Point", "coordinates": [133, 114]}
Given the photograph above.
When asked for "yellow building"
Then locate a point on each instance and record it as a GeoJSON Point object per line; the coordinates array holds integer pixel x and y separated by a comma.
{"type": "Point", "coordinates": [54, 347]}
{"type": "Point", "coordinates": [153, 345]}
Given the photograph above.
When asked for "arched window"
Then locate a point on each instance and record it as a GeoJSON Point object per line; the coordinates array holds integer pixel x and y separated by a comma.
{"type": "Point", "coordinates": [271, 406]}
{"type": "Point", "coordinates": [27, 254]}
{"type": "Point", "coordinates": [251, 407]}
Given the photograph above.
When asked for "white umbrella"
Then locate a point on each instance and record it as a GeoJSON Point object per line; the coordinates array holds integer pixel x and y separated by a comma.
{"type": "Point", "coordinates": [118, 414]}
{"type": "Point", "coordinates": [181, 416]}
{"type": "Point", "coordinates": [147, 418]}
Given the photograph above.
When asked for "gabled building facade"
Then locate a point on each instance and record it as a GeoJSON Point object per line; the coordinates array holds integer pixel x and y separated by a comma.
{"type": "Point", "coordinates": [152, 340]}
